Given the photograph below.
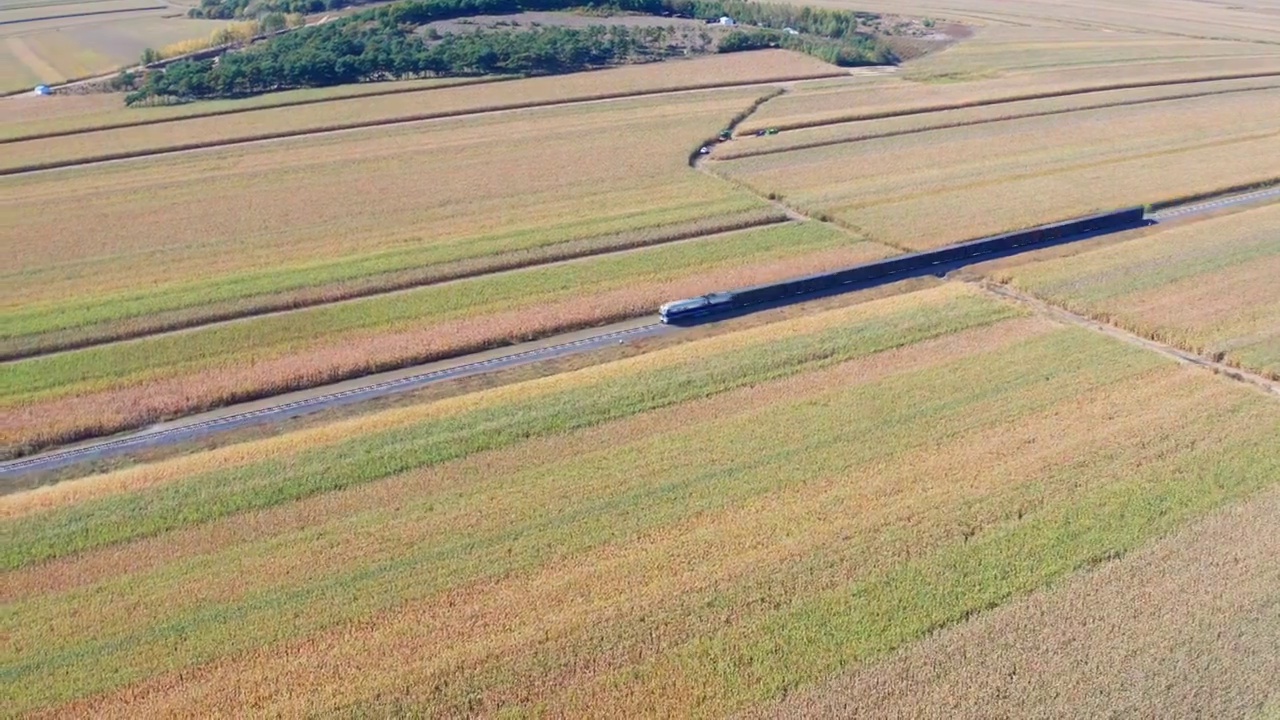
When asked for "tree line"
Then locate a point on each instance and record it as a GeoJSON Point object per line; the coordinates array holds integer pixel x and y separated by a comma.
{"type": "Point", "coordinates": [384, 43]}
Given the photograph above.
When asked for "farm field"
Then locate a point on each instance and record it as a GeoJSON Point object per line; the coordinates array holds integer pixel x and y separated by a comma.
{"type": "Point", "coordinates": [836, 133]}
{"type": "Point", "coordinates": [270, 117]}
{"type": "Point", "coordinates": [58, 49]}
{"type": "Point", "coordinates": [1255, 21]}
{"type": "Point", "coordinates": [864, 98]}
{"type": "Point", "coordinates": [111, 387]}
{"type": "Point", "coordinates": [1209, 286]}
{"type": "Point", "coordinates": [1187, 628]}
{"type": "Point", "coordinates": [183, 239]}
{"type": "Point", "coordinates": [929, 189]}
{"type": "Point", "coordinates": [28, 116]}
{"type": "Point", "coordinates": [857, 478]}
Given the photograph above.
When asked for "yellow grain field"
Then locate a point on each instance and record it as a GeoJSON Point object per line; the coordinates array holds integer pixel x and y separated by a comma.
{"type": "Point", "coordinates": [932, 188]}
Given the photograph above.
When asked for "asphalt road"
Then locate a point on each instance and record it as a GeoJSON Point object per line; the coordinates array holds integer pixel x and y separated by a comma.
{"type": "Point", "coordinates": [282, 407]}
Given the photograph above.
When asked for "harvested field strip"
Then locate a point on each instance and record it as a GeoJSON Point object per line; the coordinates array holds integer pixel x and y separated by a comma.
{"type": "Point", "coordinates": [762, 120]}
{"type": "Point", "coordinates": [153, 475]}
{"type": "Point", "coordinates": [261, 124]}
{"type": "Point", "coordinates": [1191, 620]}
{"type": "Point", "coordinates": [1208, 287]}
{"type": "Point", "coordinates": [862, 130]}
{"type": "Point", "coordinates": [83, 393]}
{"type": "Point", "coordinates": [31, 345]}
{"type": "Point", "coordinates": [888, 495]}
{"type": "Point", "coordinates": [619, 392]}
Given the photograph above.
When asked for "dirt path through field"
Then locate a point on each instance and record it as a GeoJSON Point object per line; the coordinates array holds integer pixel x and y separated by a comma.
{"type": "Point", "coordinates": [1265, 384]}
{"type": "Point", "coordinates": [1186, 628]}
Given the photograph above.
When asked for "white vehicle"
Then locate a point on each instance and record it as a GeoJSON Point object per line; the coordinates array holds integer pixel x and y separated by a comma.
{"type": "Point", "coordinates": [693, 307]}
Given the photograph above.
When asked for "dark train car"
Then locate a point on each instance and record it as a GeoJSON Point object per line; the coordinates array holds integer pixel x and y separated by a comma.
{"type": "Point", "coordinates": [717, 303]}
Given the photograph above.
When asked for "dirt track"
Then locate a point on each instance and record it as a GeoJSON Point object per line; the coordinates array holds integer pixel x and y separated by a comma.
{"type": "Point", "coordinates": [1189, 627]}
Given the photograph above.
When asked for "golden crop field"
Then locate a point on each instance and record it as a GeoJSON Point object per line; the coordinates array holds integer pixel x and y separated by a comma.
{"type": "Point", "coordinates": [347, 107]}
{"type": "Point", "coordinates": [932, 188]}
{"type": "Point", "coordinates": [175, 241]}
{"type": "Point", "coordinates": [715, 525]}
{"type": "Point", "coordinates": [1210, 286]}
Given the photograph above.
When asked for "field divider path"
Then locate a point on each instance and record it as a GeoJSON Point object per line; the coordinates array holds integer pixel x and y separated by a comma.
{"type": "Point", "coordinates": [369, 387]}
{"type": "Point", "coordinates": [970, 123]}
{"type": "Point", "coordinates": [501, 266]}
{"type": "Point", "coordinates": [1184, 357]}
{"type": "Point", "coordinates": [385, 122]}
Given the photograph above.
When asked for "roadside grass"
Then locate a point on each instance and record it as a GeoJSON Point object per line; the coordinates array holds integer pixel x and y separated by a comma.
{"type": "Point", "coordinates": [205, 235]}
{"type": "Point", "coordinates": [111, 387]}
{"type": "Point", "coordinates": [842, 495]}
{"type": "Point", "coordinates": [1209, 287]}
{"type": "Point", "coordinates": [933, 188]}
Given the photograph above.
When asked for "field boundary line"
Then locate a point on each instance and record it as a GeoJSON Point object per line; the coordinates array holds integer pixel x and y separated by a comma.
{"type": "Point", "coordinates": [283, 307]}
{"type": "Point", "coordinates": [924, 110]}
{"type": "Point", "coordinates": [1185, 357]}
{"type": "Point", "coordinates": [971, 123]}
{"type": "Point", "coordinates": [363, 124]}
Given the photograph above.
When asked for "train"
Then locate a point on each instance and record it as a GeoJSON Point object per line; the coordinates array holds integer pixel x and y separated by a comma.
{"type": "Point", "coordinates": [692, 309]}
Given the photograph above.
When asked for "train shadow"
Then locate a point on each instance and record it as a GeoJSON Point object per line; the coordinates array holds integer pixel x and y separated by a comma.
{"type": "Point", "coordinates": [939, 270]}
